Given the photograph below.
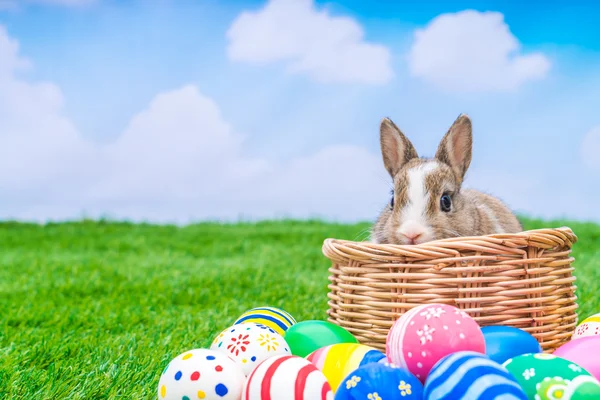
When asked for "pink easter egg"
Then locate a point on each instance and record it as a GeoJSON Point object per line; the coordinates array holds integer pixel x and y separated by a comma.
{"type": "Point", "coordinates": [286, 377]}
{"type": "Point", "coordinates": [583, 352]}
{"type": "Point", "coordinates": [425, 334]}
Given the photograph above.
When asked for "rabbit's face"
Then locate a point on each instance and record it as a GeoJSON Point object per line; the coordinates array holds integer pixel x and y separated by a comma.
{"type": "Point", "coordinates": [423, 202]}
{"type": "Point", "coordinates": [426, 203]}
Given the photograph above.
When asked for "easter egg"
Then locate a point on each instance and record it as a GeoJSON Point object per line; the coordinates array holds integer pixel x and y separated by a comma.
{"type": "Point", "coordinates": [249, 344]}
{"type": "Point", "coordinates": [308, 336]}
{"type": "Point", "coordinates": [504, 342]}
{"type": "Point", "coordinates": [286, 377]}
{"type": "Point", "coordinates": [584, 352]}
{"type": "Point", "coordinates": [582, 387]}
{"type": "Point", "coordinates": [471, 375]}
{"type": "Point", "coordinates": [201, 374]}
{"type": "Point", "coordinates": [338, 360]}
{"type": "Point", "coordinates": [425, 334]}
{"type": "Point", "coordinates": [588, 327]}
{"type": "Point", "coordinates": [381, 381]}
{"type": "Point", "coordinates": [531, 369]}
{"type": "Point", "coordinates": [275, 318]}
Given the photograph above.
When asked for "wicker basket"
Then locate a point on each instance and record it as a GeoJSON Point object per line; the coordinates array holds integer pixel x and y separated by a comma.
{"type": "Point", "coordinates": [523, 280]}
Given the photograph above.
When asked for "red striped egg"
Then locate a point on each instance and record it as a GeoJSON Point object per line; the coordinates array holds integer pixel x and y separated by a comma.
{"type": "Point", "coordinates": [287, 377]}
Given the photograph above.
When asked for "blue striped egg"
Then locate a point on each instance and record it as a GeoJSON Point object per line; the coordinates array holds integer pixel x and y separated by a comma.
{"type": "Point", "coordinates": [275, 318]}
{"type": "Point", "coordinates": [380, 381]}
{"type": "Point", "coordinates": [471, 375]}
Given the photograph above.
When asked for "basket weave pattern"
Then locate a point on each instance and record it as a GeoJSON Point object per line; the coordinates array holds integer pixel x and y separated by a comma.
{"type": "Point", "coordinates": [523, 280]}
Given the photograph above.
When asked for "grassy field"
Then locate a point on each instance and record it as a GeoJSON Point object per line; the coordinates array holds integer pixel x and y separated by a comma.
{"type": "Point", "coordinates": [95, 310]}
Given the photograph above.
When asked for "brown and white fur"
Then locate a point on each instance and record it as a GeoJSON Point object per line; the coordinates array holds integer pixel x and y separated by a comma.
{"type": "Point", "coordinates": [417, 212]}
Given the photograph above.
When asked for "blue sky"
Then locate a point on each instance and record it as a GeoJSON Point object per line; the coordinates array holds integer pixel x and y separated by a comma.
{"type": "Point", "coordinates": [180, 110]}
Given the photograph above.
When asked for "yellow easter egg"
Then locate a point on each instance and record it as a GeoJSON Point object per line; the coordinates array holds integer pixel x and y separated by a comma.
{"type": "Point", "coordinates": [275, 318]}
{"type": "Point", "coordinates": [336, 361]}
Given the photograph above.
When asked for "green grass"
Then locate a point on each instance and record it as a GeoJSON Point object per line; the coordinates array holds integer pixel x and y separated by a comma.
{"type": "Point", "coordinates": [95, 310]}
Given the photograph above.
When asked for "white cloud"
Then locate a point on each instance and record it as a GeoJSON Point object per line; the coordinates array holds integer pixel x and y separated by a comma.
{"type": "Point", "coordinates": [10, 61]}
{"type": "Point", "coordinates": [180, 146]}
{"type": "Point", "coordinates": [177, 160]}
{"type": "Point", "coordinates": [533, 195]}
{"type": "Point", "coordinates": [590, 149]}
{"type": "Point", "coordinates": [180, 153]}
{"type": "Point", "coordinates": [309, 41]}
{"type": "Point", "coordinates": [473, 51]}
{"type": "Point", "coordinates": [342, 182]}
{"type": "Point", "coordinates": [35, 138]}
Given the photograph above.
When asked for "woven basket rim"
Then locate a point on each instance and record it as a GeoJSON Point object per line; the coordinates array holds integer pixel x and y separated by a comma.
{"type": "Point", "coordinates": [563, 233]}
{"type": "Point", "coordinates": [522, 279]}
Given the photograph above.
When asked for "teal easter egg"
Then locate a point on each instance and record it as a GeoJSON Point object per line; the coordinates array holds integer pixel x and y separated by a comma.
{"type": "Point", "coordinates": [505, 342]}
{"type": "Point", "coordinates": [470, 375]}
{"type": "Point", "coordinates": [582, 387]}
{"type": "Point", "coordinates": [531, 369]}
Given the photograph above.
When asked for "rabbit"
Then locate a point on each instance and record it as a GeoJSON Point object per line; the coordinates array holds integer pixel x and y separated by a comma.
{"type": "Point", "coordinates": [427, 202]}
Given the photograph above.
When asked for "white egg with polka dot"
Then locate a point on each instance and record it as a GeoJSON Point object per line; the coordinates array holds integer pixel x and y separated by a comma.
{"type": "Point", "coordinates": [201, 374]}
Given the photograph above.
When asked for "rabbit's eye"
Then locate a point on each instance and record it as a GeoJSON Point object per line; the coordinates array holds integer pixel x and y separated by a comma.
{"type": "Point", "coordinates": [392, 200]}
{"type": "Point", "coordinates": [446, 203]}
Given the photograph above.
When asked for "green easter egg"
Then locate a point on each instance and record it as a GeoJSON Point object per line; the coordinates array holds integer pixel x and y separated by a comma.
{"type": "Point", "coordinates": [552, 389]}
{"type": "Point", "coordinates": [582, 387]}
{"type": "Point", "coordinates": [531, 369]}
{"type": "Point", "coordinates": [308, 336]}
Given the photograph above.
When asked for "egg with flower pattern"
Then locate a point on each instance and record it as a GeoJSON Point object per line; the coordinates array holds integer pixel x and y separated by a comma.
{"type": "Point", "coordinates": [379, 381]}
{"type": "Point", "coordinates": [582, 387]}
{"type": "Point", "coordinates": [249, 344]}
{"type": "Point", "coordinates": [532, 369]}
{"type": "Point", "coordinates": [427, 333]}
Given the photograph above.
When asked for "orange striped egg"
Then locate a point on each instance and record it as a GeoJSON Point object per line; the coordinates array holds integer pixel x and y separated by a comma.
{"type": "Point", "coordinates": [336, 361]}
{"type": "Point", "coordinates": [588, 327]}
{"type": "Point", "coordinates": [286, 377]}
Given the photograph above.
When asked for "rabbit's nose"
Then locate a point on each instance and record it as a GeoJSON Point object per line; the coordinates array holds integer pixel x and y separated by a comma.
{"type": "Point", "coordinates": [413, 236]}
{"type": "Point", "coordinates": [411, 231]}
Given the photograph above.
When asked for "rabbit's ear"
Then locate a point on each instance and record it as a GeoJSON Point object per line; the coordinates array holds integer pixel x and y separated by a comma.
{"type": "Point", "coordinates": [456, 146]}
{"type": "Point", "coordinates": [396, 149]}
